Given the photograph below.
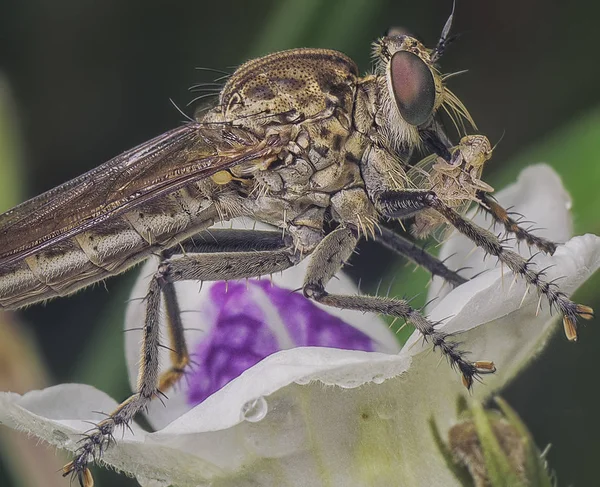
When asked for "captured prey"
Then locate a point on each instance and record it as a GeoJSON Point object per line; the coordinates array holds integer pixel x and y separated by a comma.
{"type": "Point", "coordinates": [301, 141]}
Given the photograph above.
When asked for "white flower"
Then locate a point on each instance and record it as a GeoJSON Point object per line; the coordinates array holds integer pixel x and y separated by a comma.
{"type": "Point", "coordinates": [232, 326]}
{"type": "Point", "coordinates": [324, 416]}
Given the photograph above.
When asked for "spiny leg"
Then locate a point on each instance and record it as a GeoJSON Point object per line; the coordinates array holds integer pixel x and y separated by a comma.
{"type": "Point", "coordinates": [100, 437]}
{"type": "Point", "coordinates": [501, 216]}
{"type": "Point", "coordinates": [230, 240]}
{"type": "Point", "coordinates": [328, 258]}
{"type": "Point", "coordinates": [178, 351]}
{"type": "Point", "coordinates": [418, 255]}
{"type": "Point", "coordinates": [399, 204]}
{"type": "Point", "coordinates": [214, 266]}
{"type": "Point", "coordinates": [216, 240]}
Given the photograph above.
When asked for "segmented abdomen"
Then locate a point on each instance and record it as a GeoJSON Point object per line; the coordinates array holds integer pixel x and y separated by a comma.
{"type": "Point", "coordinates": [107, 250]}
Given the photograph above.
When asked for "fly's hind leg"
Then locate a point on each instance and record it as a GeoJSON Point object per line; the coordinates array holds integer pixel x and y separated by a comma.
{"type": "Point", "coordinates": [328, 258]}
{"type": "Point", "coordinates": [178, 351]}
{"type": "Point", "coordinates": [207, 242]}
{"type": "Point", "coordinates": [212, 256]}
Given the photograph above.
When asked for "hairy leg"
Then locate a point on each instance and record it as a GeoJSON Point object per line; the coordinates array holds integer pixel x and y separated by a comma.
{"type": "Point", "coordinates": [331, 254]}
{"type": "Point", "coordinates": [502, 216]}
{"type": "Point", "coordinates": [238, 259]}
{"type": "Point", "coordinates": [418, 255]}
{"type": "Point", "coordinates": [206, 242]}
{"type": "Point", "coordinates": [399, 204]}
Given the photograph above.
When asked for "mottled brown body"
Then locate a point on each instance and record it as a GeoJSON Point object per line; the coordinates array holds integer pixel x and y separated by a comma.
{"type": "Point", "coordinates": [312, 91]}
{"type": "Point", "coordinates": [300, 141]}
{"type": "Point", "coordinates": [322, 118]}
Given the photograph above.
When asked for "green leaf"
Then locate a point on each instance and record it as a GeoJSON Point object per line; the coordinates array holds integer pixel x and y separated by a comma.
{"type": "Point", "coordinates": [499, 469]}
{"type": "Point", "coordinates": [535, 468]}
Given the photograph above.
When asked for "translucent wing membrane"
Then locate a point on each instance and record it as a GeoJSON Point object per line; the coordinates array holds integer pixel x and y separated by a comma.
{"type": "Point", "coordinates": [160, 166]}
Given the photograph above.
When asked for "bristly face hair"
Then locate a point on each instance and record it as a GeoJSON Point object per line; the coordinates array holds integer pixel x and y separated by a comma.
{"type": "Point", "coordinates": [384, 52]}
{"type": "Point", "coordinates": [298, 140]}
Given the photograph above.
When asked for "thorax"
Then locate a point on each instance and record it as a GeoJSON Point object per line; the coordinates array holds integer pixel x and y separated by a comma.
{"type": "Point", "coordinates": [308, 97]}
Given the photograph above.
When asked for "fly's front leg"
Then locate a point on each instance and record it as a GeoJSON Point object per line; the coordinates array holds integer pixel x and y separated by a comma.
{"type": "Point", "coordinates": [397, 204]}
{"type": "Point", "coordinates": [418, 255]}
{"type": "Point", "coordinates": [328, 258]}
{"type": "Point", "coordinates": [237, 262]}
{"type": "Point", "coordinates": [500, 215]}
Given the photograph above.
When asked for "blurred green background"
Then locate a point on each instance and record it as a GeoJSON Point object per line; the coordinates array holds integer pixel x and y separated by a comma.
{"type": "Point", "coordinates": [83, 80]}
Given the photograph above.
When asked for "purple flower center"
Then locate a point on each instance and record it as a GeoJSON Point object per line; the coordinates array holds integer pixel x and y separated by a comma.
{"type": "Point", "coordinates": [254, 319]}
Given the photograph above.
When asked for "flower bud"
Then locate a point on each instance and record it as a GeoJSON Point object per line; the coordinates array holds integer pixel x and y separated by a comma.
{"type": "Point", "coordinates": [491, 448]}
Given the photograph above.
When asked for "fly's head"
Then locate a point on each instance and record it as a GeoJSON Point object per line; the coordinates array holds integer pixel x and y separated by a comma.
{"type": "Point", "coordinates": [411, 91]}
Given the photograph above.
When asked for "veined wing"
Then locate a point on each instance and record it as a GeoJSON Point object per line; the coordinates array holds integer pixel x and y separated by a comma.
{"type": "Point", "coordinates": [155, 168]}
{"type": "Point", "coordinates": [434, 173]}
{"type": "Point", "coordinates": [419, 175]}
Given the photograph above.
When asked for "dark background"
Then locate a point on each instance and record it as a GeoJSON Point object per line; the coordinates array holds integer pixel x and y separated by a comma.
{"type": "Point", "coordinates": [90, 79]}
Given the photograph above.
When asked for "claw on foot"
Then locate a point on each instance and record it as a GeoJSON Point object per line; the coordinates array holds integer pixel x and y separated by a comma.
{"type": "Point", "coordinates": [585, 312]}
{"type": "Point", "coordinates": [478, 368]}
{"type": "Point", "coordinates": [484, 367]}
{"type": "Point", "coordinates": [570, 329]}
{"type": "Point", "coordinates": [84, 475]}
{"type": "Point", "coordinates": [569, 323]}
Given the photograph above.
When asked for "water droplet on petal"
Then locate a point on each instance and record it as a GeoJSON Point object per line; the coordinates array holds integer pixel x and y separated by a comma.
{"type": "Point", "coordinates": [283, 434]}
{"type": "Point", "coordinates": [255, 410]}
{"type": "Point", "coordinates": [378, 379]}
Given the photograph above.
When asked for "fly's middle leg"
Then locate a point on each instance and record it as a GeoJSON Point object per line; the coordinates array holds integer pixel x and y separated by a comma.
{"type": "Point", "coordinates": [328, 258]}
{"type": "Point", "coordinates": [238, 261]}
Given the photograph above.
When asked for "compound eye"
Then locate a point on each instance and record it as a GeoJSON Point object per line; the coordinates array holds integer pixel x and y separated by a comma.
{"type": "Point", "coordinates": [413, 86]}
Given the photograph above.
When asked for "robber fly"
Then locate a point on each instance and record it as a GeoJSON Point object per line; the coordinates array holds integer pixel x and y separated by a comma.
{"type": "Point", "coordinates": [298, 140]}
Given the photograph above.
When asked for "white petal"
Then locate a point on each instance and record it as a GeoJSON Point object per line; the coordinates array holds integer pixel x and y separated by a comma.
{"type": "Point", "coordinates": [539, 196]}
{"type": "Point", "coordinates": [313, 434]}
{"type": "Point", "coordinates": [343, 425]}
{"type": "Point", "coordinates": [216, 439]}
{"type": "Point", "coordinates": [326, 417]}
{"type": "Point", "coordinates": [60, 415]}
{"type": "Point", "coordinates": [67, 406]}
{"type": "Point", "coordinates": [190, 295]}
{"type": "Point", "coordinates": [497, 326]}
